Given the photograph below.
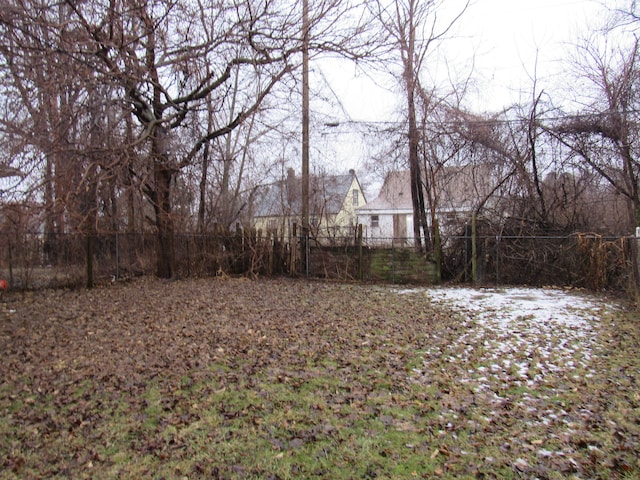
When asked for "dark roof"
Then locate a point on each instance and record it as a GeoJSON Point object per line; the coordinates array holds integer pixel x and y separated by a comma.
{"type": "Point", "coordinates": [283, 198]}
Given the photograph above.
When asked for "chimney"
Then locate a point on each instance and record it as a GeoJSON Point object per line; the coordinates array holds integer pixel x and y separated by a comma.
{"type": "Point", "coordinates": [291, 185]}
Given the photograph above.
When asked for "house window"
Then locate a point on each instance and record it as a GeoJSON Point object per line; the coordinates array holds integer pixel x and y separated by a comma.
{"type": "Point", "coordinates": [375, 221]}
{"type": "Point", "coordinates": [356, 196]}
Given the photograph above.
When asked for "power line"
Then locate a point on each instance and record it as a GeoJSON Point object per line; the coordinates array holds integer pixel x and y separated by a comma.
{"type": "Point", "coordinates": [481, 121]}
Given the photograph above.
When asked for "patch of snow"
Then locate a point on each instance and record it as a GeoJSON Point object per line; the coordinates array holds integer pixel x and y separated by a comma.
{"type": "Point", "coordinates": [517, 342]}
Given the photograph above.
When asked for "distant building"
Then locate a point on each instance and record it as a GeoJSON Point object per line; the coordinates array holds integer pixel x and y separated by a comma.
{"type": "Point", "coordinates": [333, 200]}
{"type": "Point", "coordinates": [389, 216]}
{"type": "Point", "coordinates": [457, 193]}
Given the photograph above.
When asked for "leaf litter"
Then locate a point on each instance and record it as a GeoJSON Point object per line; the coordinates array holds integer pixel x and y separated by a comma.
{"type": "Point", "coordinates": [527, 354]}
{"type": "Point", "coordinates": [232, 378]}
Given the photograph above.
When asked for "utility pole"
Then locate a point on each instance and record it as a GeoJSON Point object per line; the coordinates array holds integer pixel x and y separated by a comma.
{"type": "Point", "coordinates": [304, 244]}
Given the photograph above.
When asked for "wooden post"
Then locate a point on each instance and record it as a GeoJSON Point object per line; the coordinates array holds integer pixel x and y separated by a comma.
{"type": "Point", "coordinates": [293, 248]}
{"type": "Point", "coordinates": [393, 261]}
{"type": "Point", "coordinates": [269, 246]}
{"type": "Point", "coordinates": [89, 260]}
{"type": "Point", "coordinates": [437, 253]}
{"type": "Point", "coordinates": [497, 260]}
{"type": "Point", "coordinates": [117, 255]}
{"type": "Point", "coordinates": [304, 245]}
{"type": "Point", "coordinates": [360, 259]}
{"type": "Point", "coordinates": [240, 247]}
{"type": "Point", "coordinates": [474, 252]}
{"type": "Point", "coordinates": [467, 250]}
{"type": "Point", "coordinates": [636, 267]}
{"type": "Point", "coordinates": [10, 263]}
{"type": "Point", "coordinates": [187, 240]}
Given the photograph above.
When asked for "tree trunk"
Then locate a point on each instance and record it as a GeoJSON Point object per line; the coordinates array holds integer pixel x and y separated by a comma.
{"type": "Point", "coordinates": [414, 169]}
{"type": "Point", "coordinates": [163, 176]}
{"type": "Point", "coordinates": [417, 195]}
{"type": "Point", "coordinates": [164, 223]}
{"type": "Point", "coordinates": [202, 203]}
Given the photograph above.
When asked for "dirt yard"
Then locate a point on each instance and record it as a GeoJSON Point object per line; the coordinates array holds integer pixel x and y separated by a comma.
{"type": "Point", "coordinates": [276, 379]}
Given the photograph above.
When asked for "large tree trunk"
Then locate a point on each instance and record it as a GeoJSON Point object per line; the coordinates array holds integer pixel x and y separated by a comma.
{"type": "Point", "coordinates": [89, 210]}
{"type": "Point", "coordinates": [163, 174]}
{"type": "Point", "coordinates": [164, 223]}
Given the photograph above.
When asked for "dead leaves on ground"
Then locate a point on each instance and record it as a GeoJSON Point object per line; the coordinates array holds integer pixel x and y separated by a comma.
{"type": "Point", "coordinates": [187, 378]}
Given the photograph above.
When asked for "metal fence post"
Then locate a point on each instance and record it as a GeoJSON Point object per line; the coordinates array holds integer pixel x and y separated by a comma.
{"type": "Point", "coordinates": [393, 261]}
{"type": "Point", "coordinates": [474, 250]}
{"type": "Point", "coordinates": [437, 250]}
{"type": "Point", "coordinates": [497, 260]}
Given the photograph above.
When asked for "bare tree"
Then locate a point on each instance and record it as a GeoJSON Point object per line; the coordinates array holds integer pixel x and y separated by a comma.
{"type": "Point", "coordinates": [227, 161]}
{"type": "Point", "coordinates": [57, 113]}
{"type": "Point", "coordinates": [167, 64]}
{"type": "Point", "coordinates": [414, 29]}
{"type": "Point", "coordinates": [603, 134]}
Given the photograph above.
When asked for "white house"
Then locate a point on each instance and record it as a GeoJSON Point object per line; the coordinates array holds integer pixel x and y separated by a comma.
{"type": "Point", "coordinates": [458, 192]}
{"type": "Point", "coordinates": [389, 217]}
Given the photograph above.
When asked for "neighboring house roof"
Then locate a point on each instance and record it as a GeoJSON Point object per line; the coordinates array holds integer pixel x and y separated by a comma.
{"type": "Point", "coordinates": [395, 195]}
{"type": "Point", "coordinates": [458, 188]}
{"type": "Point", "coordinates": [326, 195]}
{"type": "Point", "coordinates": [462, 188]}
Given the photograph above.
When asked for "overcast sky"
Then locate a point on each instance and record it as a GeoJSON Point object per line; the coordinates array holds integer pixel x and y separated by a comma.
{"type": "Point", "coordinates": [511, 33]}
{"type": "Point", "coordinates": [503, 37]}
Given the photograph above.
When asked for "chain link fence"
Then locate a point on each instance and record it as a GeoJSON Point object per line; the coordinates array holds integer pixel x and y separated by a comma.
{"type": "Point", "coordinates": [583, 260]}
{"type": "Point", "coordinates": [32, 261]}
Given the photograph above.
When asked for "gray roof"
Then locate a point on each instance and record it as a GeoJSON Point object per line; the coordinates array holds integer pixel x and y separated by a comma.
{"type": "Point", "coordinates": [284, 198]}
